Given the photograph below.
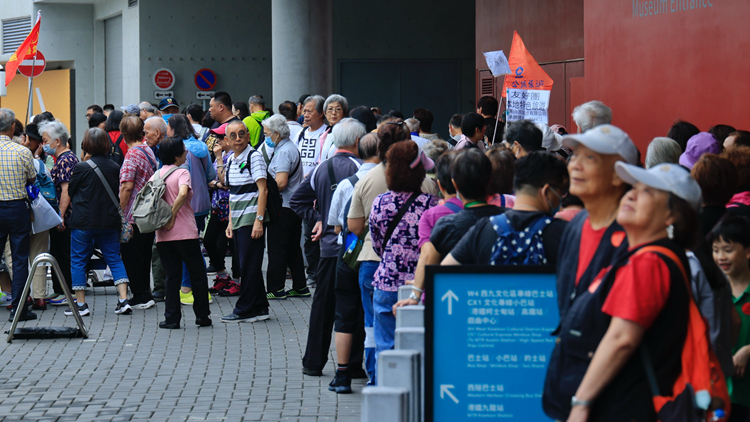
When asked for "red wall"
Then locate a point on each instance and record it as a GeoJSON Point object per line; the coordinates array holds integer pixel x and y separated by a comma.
{"type": "Point", "coordinates": [653, 69]}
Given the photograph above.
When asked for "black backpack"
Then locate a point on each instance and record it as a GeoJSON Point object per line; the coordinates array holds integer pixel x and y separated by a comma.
{"type": "Point", "coordinates": [116, 154]}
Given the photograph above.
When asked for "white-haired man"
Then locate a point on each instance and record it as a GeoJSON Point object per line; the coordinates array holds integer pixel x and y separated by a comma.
{"type": "Point", "coordinates": [318, 188]}
{"type": "Point", "coordinates": [591, 114]}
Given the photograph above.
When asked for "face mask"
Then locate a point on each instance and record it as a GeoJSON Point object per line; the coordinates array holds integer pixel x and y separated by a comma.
{"type": "Point", "coordinates": [270, 143]}
{"type": "Point", "coordinates": [48, 150]}
{"type": "Point", "coordinates": [559, 203]}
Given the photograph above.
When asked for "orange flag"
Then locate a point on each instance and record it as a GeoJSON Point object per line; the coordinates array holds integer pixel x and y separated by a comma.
{"type": "Point", "coordinates": [26, 50]}
{"type": "Point", "coordinates": [526, 72]}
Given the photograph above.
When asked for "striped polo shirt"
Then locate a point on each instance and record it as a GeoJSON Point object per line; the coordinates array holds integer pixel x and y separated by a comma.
{"type": "Point", "coordinates": [243, 192]}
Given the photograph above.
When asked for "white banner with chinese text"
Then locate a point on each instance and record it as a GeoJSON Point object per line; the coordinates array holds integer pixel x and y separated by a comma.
{"type": "Point", "coordinates": [531, 104]}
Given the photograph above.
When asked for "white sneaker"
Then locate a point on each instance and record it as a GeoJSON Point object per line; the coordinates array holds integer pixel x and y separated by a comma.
{"type": "Point", "coordinates": [107, 275]}
{"type": "Point", "coordinates": [5, 297]}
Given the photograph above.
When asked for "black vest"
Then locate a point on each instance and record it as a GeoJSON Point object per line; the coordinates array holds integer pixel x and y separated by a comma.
{"type": "Point", "coordinates": [628, 396]}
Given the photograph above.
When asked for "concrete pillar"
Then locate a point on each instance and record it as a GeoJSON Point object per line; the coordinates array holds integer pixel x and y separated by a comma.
{"type": "Point", "coordinates": [404, 292]}
{"type": "Point", "coordinates": [410, 316]}
{"type": "Point", "coordinates": [385, 404]}
{"type": "Point", "coordinates": [301, 49]}
{"type": "Point", "coordinates": [401, 369]}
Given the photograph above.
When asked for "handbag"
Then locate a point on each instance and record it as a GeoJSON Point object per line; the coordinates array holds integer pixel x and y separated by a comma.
{"type": "Point", "coordinates": [45, 217]}
{"type": "Point", "coordinates": [126, 229]}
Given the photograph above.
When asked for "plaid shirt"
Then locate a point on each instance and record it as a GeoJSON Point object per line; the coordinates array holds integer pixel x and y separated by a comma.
{"type": "Point", "coordinates": [16, 167]}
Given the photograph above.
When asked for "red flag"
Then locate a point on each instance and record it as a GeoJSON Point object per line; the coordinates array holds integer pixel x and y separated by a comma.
{"type": "Point", "coordinates": [26, 50]}
{"type": "Point", "coordinates": [526, 72]}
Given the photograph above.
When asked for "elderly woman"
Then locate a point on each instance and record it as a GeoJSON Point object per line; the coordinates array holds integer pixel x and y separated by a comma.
{"type": "Point", "coordinates": [56, 136]}
{"type": "Point", "coordinates": [336, 108]}
{"type": "Point", "coordinates": [96, 219]}
{"type": "Point", "coordinates": [137, 168]}
{"type": "Point", "coordinates": [642, 301]}
{"type": "Point", "coordinates": [396, 242]}
{"type": "Point", "coordinates": [284, 164]}
{"type": "Point", "coordinates": [178, 242]}
{"type": "Point", "coordinates": [662, 150]}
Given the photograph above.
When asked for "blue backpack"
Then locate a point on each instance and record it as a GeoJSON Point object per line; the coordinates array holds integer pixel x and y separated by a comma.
{"type": "Point", "coordinates": [45, 184]}
{"type": "Point", "coordinates": [519, 247]}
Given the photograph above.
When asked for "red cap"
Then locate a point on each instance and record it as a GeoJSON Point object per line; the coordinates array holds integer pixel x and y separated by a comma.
{"type": "Point", "coordinates": [221, 130]}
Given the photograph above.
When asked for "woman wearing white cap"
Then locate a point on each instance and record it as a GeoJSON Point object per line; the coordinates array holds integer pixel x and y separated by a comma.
{"type": "Point", "coordinates": [642, 301]}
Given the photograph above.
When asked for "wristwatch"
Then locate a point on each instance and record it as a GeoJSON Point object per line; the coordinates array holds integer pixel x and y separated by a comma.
{"type": "Point", "coordinates": [413, 296]}
{"type": "Point", "coordinates": [259, 217]}
{"type": "Point", "coordinates": [576, 402]}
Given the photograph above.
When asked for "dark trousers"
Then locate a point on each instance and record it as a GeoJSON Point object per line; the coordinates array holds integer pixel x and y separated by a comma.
{"type": "Point", "coordinates": [312, 252]}
{"type": "Point", "coordinates": [284, 251]}
{"type": "Point", "coordinates": [350, 315]}
{"type": "Point", "coordinates": [174, 255]}
{"type": "Point", "coordinates": [322, 315]}
{"type": "Point", "coordinates": [59, 248]}
{"type": "Point", "coordinates": [136, 255]}
{"type": "Point", "coordinates": [15, 224]}
{"type": "Point", "coordinates": [252, 289]}
{"type": "Point", "coordinates": [216, 243]}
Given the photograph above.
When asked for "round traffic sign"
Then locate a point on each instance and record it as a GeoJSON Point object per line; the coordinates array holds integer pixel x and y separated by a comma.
{"type": "Point", "coordinates": [37, 66]}
{"type": "Point", "coordinates": [205, 79]}
{"type": "Point", "coordinates": [164, 78]}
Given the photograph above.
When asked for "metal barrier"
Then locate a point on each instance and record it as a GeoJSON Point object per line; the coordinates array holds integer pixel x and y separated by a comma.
{"type": "Point", "coordinates": [46, 258]}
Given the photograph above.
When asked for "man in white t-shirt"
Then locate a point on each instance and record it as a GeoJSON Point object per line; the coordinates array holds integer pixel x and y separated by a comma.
{"type": "Point", "coordinates": [309, 149]}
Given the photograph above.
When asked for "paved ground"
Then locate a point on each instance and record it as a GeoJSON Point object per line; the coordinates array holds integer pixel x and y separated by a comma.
{"type": "Point", "coordinates": [129, 369]}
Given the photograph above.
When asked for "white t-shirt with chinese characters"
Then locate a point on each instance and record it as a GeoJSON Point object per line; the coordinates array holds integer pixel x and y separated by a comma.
{"type": "Point", "coordinates": [309, 148]}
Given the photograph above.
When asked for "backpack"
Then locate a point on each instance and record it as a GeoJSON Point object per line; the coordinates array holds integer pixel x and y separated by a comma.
{"type": "Point", "coordinates": [274, 203]}
{"type": "Point", "coordinates": [519, 247]}
{"type": "Point", "coordinates": [150, 211]}
{"type": "Point", "coordinates": [352, 243]}
{"type": "Point", "coordinates": [115, 152]}
{"type": "Point", "coordinates": [46, 185]}
{"type": "Point", "coordinates": [701, 383]}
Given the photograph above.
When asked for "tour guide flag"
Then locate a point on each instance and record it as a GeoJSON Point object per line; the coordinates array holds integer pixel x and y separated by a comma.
{"type": "Point", "coordinates": [526, 72]}
{"type": "Point", "coordinates": [26, 50]}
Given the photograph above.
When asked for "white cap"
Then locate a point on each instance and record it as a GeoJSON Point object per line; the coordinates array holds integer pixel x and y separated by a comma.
{"type": "Point", "coordinates": [667, 177]}
{"type": "Point", "coordinates": [605, 139]}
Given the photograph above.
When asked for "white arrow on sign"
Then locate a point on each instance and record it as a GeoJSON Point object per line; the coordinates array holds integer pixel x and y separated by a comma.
{"type": "Point", "coordinates": [451, 297]}
{"type": "Point", "coordinates": [446, 389]}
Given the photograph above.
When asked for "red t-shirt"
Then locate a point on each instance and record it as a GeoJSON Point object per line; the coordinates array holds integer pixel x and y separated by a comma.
{"type": "Point", "coordinates": [640, 290]}
{"type": "Point", "coordinates": [590, 240]}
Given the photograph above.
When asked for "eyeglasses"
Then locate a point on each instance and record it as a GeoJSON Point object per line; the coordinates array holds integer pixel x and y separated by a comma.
{"type": "Point", "coordinates": [235, 136]}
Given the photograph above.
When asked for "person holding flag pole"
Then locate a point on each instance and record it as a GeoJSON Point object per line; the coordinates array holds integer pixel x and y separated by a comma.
{"type": "Point", "coordinates": [27, 49]}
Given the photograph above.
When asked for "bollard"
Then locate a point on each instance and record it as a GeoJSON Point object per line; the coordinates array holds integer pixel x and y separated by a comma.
{"type": "Point", "coordinates": [404, 292]}
{"type": "Point", "coordinates": [385, 404]}
{"type": "Point", "coordinates": [412, 338]}
{"type": "Point", "coordinates": [401, 368]}
{"type": "Point", "coordinates": [410, 316]}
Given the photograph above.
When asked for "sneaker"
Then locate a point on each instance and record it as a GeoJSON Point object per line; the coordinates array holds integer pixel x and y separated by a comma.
{"type": "Point", "coordinates": [281, 294]}
{"type": "Point", "coordinates": [210, 270]}
{"type": "Point", "coordinates": [235, 318]}
{"type": "Point", "coordinates": [221, 282]}
{"type": "Point", "coordinates": [59, 301]}
{"type": "Point", "coordinates": [342, 383]}
{"type": "Point", "coordinates": [107, 276]}
{"type": "Point", "coordinates": [232, 290]}
{"type": "Point", "coordinates": [28, 316]}
{"type": "Point", "coordinates": [158, 296]}
{"type": "Point", "coordinates": [299, 293]}
{"type": "Point", "coordinates": [5, 297]}
{"type": "Point", "coordinates": [210, 299]}
{"type": "Point", "coordinates": [83, 310]}
{"type": "Point", "coordinates": [143, 301]}
{"type": "Point", "coordinates": [186, 298]}
{"type": "Point", "coordinates": [260, 316]}
{"type": "Point", "coordinates": [52, 296]}
{"type": "Point", "coordinates": [123, 308]}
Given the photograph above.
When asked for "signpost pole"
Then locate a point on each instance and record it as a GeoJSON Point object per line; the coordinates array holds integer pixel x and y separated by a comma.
{"type": "Point", "coordinates": [30, 107]}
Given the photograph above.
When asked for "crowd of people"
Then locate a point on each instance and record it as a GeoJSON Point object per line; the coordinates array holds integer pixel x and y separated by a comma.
{"type": "Point", "coordinates": [356, 203]}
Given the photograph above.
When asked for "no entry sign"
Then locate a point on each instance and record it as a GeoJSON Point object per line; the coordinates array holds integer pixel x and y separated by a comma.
{"type": "Point", "coordinates": [37, 66]}
{"type": "Point", "coordinates": [164, 78]}
{"type": "Point", "coordinates": [205, 79]}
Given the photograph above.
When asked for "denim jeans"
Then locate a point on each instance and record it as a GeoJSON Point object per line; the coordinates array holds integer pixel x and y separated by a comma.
{"type": "Point", "coordinates": [81, 248]}
{"type": "Point", "coordinates": [385, 321]}
{"type": "Point", "coordinates": [366, 273]}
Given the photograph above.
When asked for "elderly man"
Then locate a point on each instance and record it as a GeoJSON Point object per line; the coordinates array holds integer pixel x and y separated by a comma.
{"type": "Point", "coordinates": [309, 150]}
{"type": "Point", "coordinates": [245, 175]}
{"type": "Point", "coordinates": [16, 171]}
{"type": "Point", "coordinates": [591, 114]}
{"type": "Point", "coordinates": [155, 131]}
{"type": "Point", "coordinates": [312, 201]}
{"type": "Point", "coordinates": [523, 137]}
{"type": "Point", "coordinates": [413, 125]}
{"type": "Point", "coordinates": [147, 110]}
{"type": "Point", "coordinates": [284, 249]}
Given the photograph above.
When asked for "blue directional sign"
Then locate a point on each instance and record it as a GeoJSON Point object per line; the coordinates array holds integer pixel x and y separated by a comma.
{"type": "Point", "coordinates": [205, 79]}
{"type": "Point", "coordinates": [488, 342]}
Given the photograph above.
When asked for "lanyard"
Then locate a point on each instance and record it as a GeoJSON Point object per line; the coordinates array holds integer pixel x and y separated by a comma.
{"type": "Point", "coordinates": [472, 203]}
